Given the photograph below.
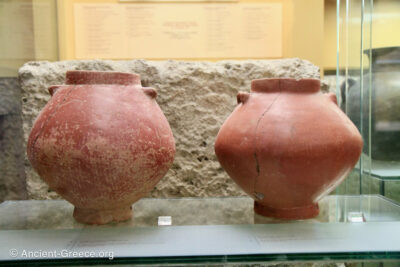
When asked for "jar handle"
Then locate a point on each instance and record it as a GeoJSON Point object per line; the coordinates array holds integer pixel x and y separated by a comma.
{"type": "Point", "coordinates": [242, 97]}
{"type": "Point", "coordinates": [332, 97]}
{"type": "Point", "coordinates": [53, 89]}
{"type": "Point", "coordinates": [150, 91]}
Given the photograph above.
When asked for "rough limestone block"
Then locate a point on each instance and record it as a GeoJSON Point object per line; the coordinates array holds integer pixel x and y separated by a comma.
{"type": "Point", "coordinates": [196, 98]}
{"type": "Point", "coordinates": [12, 174]}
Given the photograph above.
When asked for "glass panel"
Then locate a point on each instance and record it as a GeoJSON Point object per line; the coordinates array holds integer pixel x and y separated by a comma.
{"type": "Point", "coordinates": [367, 88]}
{"type": "Point", "coordinates": [349, 14]}
{"type": "Point", "coordinates": [226, 228]}
{"type": "Point", "coordinates": [384, 80]}
{"type": "Point", "coordinates": [390, 189]}
{"type": "Point", "coordinates": [57, 214]}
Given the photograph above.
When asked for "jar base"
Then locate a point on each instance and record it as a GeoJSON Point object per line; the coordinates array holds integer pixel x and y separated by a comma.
{"type": "Point", "coordinates": [297, 213]}
{"type": "Point", "coordinates": [92, 216]}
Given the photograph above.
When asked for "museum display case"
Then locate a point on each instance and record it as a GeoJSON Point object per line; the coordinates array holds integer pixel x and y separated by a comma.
{"type": "Point", "coordinates": [244, 132]}
{"type": "Point", "coordinates": [369, 95]}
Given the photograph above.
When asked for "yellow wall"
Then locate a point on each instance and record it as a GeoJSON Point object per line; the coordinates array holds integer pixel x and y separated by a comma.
{"type": "Point", "coordinates": [386, 23]}
{"type": "Point", "coordinates": [45, 30]}
{"type": "Point", "coordinates": [307, 35]}
{"type": "Point", "coordinates": [28, 32]}
{"type": "Point", "coordinates": [385, 30]}
{"type": "Point", "coordinates": [16, 33]}
{"type": "Point", "coordinates": [302, 21]}
{"type": "Point", "coordinates": [309, 30]}
{"type": "Point", "coordinates": [329, 44]}
{"type": "Point", "coordinates": [302, 30]}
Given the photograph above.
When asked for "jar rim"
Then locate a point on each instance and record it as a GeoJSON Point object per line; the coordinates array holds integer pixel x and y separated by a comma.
{"type": "Point", "coordinates": [101, 77]}
{"type": "Point", "coordinates": [286, 84]}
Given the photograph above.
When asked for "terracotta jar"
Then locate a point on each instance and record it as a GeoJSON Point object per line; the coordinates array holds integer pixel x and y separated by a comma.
{"type": "Point", "coordinates": [287, 145]}
{"type": "Point", "coordinates": [102, 143]}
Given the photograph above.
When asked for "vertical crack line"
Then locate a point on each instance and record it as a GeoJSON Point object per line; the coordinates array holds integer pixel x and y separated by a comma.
{"type": "Point", "coordinates": [256, 138]}
{"type": "Point", "coordinates": [257, 164]}
{"type": "Point", "coordinates": [48, 120]}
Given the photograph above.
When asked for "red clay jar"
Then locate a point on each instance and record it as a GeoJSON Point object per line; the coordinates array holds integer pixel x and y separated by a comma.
{"type": "Point", "coordinates": [287, 145]}
{"type": "Point", "coordinates": [102, 143]}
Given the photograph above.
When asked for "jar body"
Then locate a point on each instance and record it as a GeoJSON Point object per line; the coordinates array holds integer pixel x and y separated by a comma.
{"type": "Point", "coordinates": [102, 143]}
{"type": "Point", "coordinates": [287, 145]}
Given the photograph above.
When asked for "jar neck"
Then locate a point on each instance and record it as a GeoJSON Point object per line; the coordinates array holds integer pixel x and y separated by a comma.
{"type": "Point", "coordinates": [102, 77]}
{"type": "Point", "coordinates": [285, 85]}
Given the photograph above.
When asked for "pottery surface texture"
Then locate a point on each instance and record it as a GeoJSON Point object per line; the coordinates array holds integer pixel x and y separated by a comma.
{"type": "Point", "coordinates": [287, 145]}
{"type": "Point", "coordinates": [102, 143]}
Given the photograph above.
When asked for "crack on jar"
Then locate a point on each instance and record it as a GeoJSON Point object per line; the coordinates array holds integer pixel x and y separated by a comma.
{"type": "Point", "coordinates": [255, 139]}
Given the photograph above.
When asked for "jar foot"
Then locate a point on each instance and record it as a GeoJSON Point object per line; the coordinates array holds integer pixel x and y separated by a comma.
{"type": "Point", "coordinates": [297, 213]}
{"type": "Point", "coordinates": [92, 216]}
